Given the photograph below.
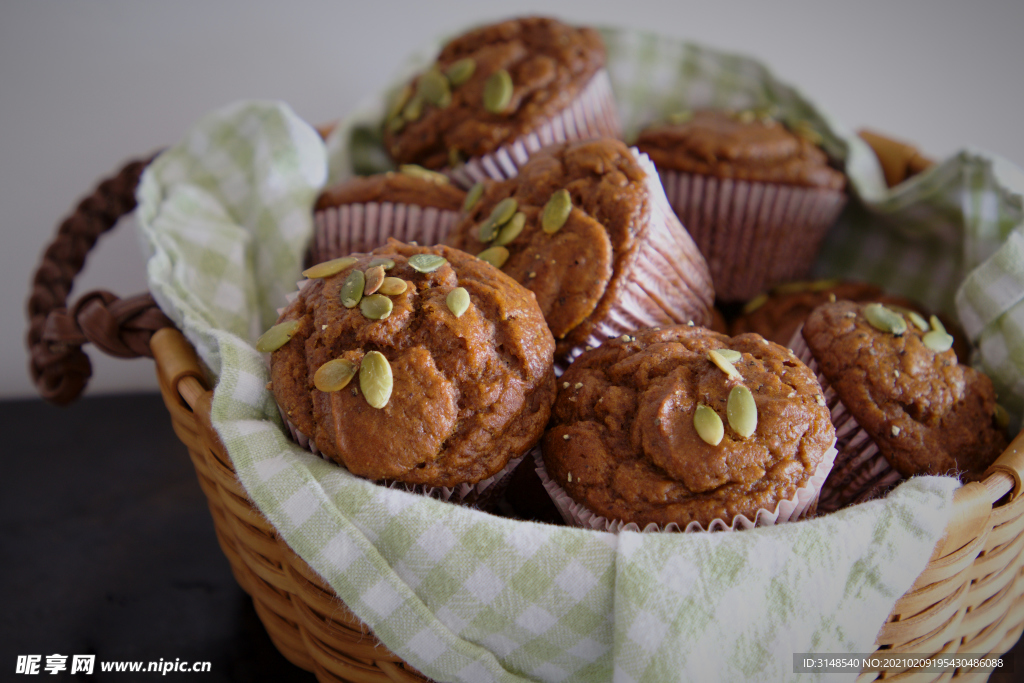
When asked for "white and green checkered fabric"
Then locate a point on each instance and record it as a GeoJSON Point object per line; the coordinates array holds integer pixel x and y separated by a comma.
{"type": "Point", "coordinates": [466, 596]}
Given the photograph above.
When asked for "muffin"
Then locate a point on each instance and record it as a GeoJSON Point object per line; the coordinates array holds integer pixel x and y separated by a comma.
{"type": "Point", "coordinates": [499, 93]}
{"type": "Point", "coordinates": [901, 403]}
{"type": "Point", "coordinates": [586, 227]}
{"type": "Point", "coordinates": [412, 205]}
{"type": "Point", "coordinates": [437, 375]}
{"type": "Point", "coordinates": [756, 196]}
{"type": "Point", "coordinates": [663, 428]}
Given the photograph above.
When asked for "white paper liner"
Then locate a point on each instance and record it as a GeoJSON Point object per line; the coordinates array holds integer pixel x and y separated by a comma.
{"type": "Point", "coordinates": [753, 234]}
{"type": "Point", "coordinates": [592, 114]}
{"type": "Point", "coordinates": [668, 282]}
{"type": "Point", "coordinates": [860, 472]}
{"type": "Point", "coordinates": [359, 228]}
{"type": "Point", "coordinates": [789, 510]}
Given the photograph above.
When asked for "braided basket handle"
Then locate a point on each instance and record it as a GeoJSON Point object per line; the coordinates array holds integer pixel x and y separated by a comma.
{"type": "Point", "coordinates": [119, 327]}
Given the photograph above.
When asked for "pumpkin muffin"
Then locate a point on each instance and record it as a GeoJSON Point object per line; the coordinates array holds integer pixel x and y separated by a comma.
{"type": "Point", "coordinates": [756, 196]}
{"type": "Point", "coordinates": [412, 205]}
{"type": "Point", "coordinates": [412, 364]}
{"type": "Point", "coordinates": [685, 426]}
{"type": "Point", "coordinates": [585, 226]}
{"type": "Point", "coordinates": [901, 402]}
{"type": "Point", "coordinates": [499, 93]}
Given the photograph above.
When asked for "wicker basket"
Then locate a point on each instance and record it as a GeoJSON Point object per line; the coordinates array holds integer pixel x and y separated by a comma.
{"type": "Point", "coordinates": [969, 598]}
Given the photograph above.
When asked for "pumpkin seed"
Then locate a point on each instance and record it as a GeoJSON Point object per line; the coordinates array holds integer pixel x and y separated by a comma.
{"type": "Point", "coordinates": [458, 301]}
{"type": "Point", "coordinates": [511, 230]}
{"type": "Point", "coordinates": [884, 319]}
{"type": "Point", "coordinates": [500, 214]}
{"type": "Point", "coordinates": [419, 172]}
{"type": "Point", "coordinates": [399, 101]}
{"type": "Point", "coordinates": [755, 303]}
{"type": "Point", "coordinates": [937, 324]}
{"type": "Point", "coordinates": [741, 411]}
{"type": "Point", "coordinates": [1002, 417]}
{"type": "Point", "coordinates": [426, 263]}
{"type": "Point", "coordinates": [729, 355]}
{"type": "Point", "coordinates": [392, 286]}
{"type": "Point", "coordinates": [385, 263]}
{"type": "Point", "coordinates": [376, 306]}
{"type": "Point", "coordinates": [496, 256]}
{"type": "Point", "coordinates": [938, 341]}
{"type": "Point", "coordinates": [680, 117]}
{"type": "Point", "coordinates": [328, 268]}
{"type": "Point", "coordinates": [472, 197]}
{"type": "Point", "coordinates": [460, 71]}
{"type": "Point", "coordinates": [803, 129]}
{"type": "Point", "coordinates": [454, 156]}
{"type": "Point", "coordinates": [396, 124]}
{"type": "Point", "coordinates": [374, 279]}
{"type": "Point", "coordinates": [334, 375]}
{"type": "Point", "coordinates": [413, 109]}
{"type": "Point", "coordinates": [433, 88]}
{"type": "Point", "coordinates": [708, 425]}
{"type": "Point", "coordinates": [791, 287]}
{"type": "Point", "coordinates": [556, 211]}
{"type": "Point", "coordinates": [822, 285]}
{"type": "Point", "coordinates": [497, 91]}
{"type": "Point", "coordinates": [723, 365]}
{"type": "Point", "coordinates": [277, 336]}
{"type": "Point", "coordinates": [919, 321]}
{"type": "Point", "coordinates": [746, 116]}
{"type": "Point", "coordinates": [352, 289]}
{"type": "Point", "coordinates": [375, 379]}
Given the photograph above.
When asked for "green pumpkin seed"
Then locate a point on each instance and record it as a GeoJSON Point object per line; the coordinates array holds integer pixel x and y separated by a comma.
{"type": "Point", "coordinates": [375, 379]}
{"type": "Point", "coordinates": [729, 355]}
{"type": "Point", "coordinates": [460, 71]}
{"type": "Point", "coordinates": [511, 230]}
{"type": "Point", "coordinates": [803, 129]}
{"type": "Point", "coordinates": [496, 256]}
{"type": "Point", "coordinates": [328, 268]}
{"type": "Point", "coordinates": [938, 341]}
{"type": "Point", "coordinates": [376, 306]}
{"type": "Point", "coordinates": [396, 124]}
{"type": "Point", "coordinates": [723, 365]}
{"type": "Point", "coordinates": [385, 263]}
{"type": "Point", "coordinates": [937, 324]}
{"type": "Point", "coordinates": [755, 303]}
{"type": "Point", "coordinates": [884, 319]}
{"type": "Point", "coordinates": [1002, 418]}
{"type": "Point", "coordinates": [791, 287]}
{"type": "Point", "coordinates": [708, 425]}
{"type": "Point", "coordinates": [458, 301]}
{"type": "Point", "coordinates": [746, 116]}
{"type": "Point", "coordinates": [556, 212]}
{"type": "Point", "coordinates": [374, 279]}
{"type": "Point", "coordinates": [426, 263]}
{"type": "Point", "coordinates": [919, 321]}
{"type": "Point", "coordinates": [433, 88]}
{"type": "Point", "coordinates": [352, 289]}
{"type": "Point", "coordinates": [393, 286]}
{"type": "Point", "coordinates": [500, 214]}
{"type": "Point", "coordinates": [454, 156]}
{"type": "Point", "coordinates": [334, 375]}
{"type": "Point", "coordinates": [822, 285]}
{"type": "Point", "coordinates": [277, 336]}
{"type": "Point", "coordinates": [413, 109]}
{"type": "Point", "coordinates": [400, 100]}
{"type": "Point", "coordinates": [424, 174]}
{"type": "Point", "coordinates": [741, 411]}
{"type": "Point", "coordinates": [498, 91]}
{"type": "Point", "coordinates": [472, 197]}
{"type": "Point", "coordinates": [680, 117]}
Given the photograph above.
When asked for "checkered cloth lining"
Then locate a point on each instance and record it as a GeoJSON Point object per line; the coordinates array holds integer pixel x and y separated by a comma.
{"type": "Point", "coordinates": [465, 596]}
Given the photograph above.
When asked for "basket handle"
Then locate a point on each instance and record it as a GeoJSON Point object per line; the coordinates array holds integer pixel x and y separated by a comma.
{"type": "Point", "coordinates": [119, 327]}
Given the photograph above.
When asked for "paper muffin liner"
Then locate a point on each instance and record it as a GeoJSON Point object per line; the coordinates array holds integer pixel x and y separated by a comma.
{"type": "Point", "coordinates": [351, 228]}
{"type": "Point", "coordinates": [799, 506]}
{"type": "Point", "coordinates": [592, 114]}
{"type": "Point", "coordinates": [482, 493]}
{"type": "Point", "coordinates": [753, 234]}
{"type": "Point", "coordinates": [861, 472]}
{"type": "Point", "coordinates": [668, 282]}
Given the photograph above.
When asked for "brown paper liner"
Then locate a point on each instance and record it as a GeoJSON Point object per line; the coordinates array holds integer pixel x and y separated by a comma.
{"type": "Point", "coordinates": [801, 505]}
{"type": "Point", "coordinates": [860, 472]}
{"type": "Point", "coordinates": [359, 228]}
{"type": "Point", "coordinates": [592, 114]}
{"type": "Point", "coordinates": [753, 234]}
{"type": "Point", "coordinates": [667, 283]}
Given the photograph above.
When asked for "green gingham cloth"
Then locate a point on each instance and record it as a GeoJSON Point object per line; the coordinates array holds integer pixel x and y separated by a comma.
{"type": "Point", "coordinates": [466, 596]}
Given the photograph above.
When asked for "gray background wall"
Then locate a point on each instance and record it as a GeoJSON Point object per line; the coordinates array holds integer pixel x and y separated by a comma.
{"type": "Point", "coordinates": [86, 85]}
